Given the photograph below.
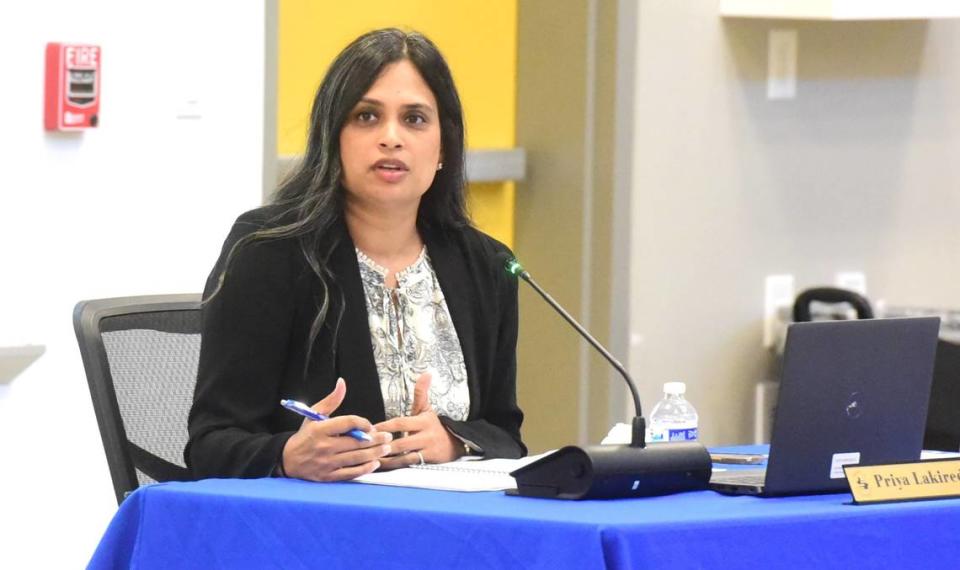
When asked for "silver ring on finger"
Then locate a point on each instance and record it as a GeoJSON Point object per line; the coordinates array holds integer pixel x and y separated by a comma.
{"type": "Point", "coordinates": [420, 455]}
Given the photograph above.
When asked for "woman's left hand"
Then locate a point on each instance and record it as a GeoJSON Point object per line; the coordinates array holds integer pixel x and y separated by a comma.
{"type": "Point", "coordinates": [425, 435]}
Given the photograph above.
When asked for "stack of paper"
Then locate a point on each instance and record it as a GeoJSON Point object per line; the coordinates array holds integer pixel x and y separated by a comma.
{"type": "Point", "coordinates": [466, 474]}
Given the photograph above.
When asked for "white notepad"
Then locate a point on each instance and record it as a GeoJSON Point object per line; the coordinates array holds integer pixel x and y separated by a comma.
{"type": "Point", "coordinates": [466, 474]}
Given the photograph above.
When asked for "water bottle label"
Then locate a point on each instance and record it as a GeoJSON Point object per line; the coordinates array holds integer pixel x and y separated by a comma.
{"type": "Point", "coordinates": [662, 435]}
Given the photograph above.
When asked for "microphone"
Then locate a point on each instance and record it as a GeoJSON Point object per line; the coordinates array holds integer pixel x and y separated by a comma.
{"type": "Point", "coordinates": [609, 471]}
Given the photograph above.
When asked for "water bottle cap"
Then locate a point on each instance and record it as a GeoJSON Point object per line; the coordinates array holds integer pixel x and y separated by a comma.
{"type": "Point", "coordinates": [675, 388]}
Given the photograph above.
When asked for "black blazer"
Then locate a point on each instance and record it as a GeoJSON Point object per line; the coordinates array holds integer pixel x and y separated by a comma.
{"type": "Point", "coordinates": [254, 346]}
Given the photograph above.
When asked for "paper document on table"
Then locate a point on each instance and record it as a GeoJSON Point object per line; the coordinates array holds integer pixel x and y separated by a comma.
{"type": "Point", "coordinates": [933, 454]}
{"type": "Point", "coordinates": [467, 474]}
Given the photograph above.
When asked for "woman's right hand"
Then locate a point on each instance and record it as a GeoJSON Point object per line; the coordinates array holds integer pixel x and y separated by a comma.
{"type": "Point", "coordinates": [319, 451]}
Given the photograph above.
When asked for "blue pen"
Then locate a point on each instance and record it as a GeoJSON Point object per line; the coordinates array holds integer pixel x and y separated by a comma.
{"type": "Point", "coordinates": [311, 414]}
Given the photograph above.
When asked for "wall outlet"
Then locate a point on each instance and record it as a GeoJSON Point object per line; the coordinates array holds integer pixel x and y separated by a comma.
{"type": "Point", "coordinates": [782, 64]}
{"type": "Point", "coordinates": [779, 294]}
{"type": "Point", "coordinates": [852, 280]}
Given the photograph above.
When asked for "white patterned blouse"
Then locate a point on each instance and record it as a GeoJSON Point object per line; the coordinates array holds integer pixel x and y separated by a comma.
{"type": "Point", "coordinates": [412, 333]}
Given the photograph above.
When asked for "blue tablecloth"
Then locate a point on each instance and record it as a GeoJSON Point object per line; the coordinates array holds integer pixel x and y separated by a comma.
{"type": "Point", "coordinates": [279, 523]}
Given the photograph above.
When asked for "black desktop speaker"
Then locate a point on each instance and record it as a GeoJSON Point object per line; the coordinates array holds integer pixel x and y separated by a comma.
{"type": "Point", "coordinates": [616, 471]}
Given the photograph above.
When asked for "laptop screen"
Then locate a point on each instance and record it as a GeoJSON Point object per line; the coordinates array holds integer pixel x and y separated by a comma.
{"type": "Point", "coordinates": [853, 392]}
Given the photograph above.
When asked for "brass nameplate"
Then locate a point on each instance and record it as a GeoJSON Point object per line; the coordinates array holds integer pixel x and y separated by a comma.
{"type": "Point", "coordinates": [904, 481]}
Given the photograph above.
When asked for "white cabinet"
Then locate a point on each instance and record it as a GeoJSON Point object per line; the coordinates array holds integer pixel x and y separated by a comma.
{"type": "Point", "coordinates": [841, 9]}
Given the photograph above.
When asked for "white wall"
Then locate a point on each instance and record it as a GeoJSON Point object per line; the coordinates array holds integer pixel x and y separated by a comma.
{"type": "Point", "coordinates": [859, 172]}
{"type": "Point", "coordinates": [139, 205]}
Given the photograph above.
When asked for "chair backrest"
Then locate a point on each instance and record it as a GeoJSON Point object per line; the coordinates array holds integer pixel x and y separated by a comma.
{"type": "Point", "coordinates": [943, 415]}
{"type": "Point", "coordinates": [801, 305]}
{"type": "Point", "coordinates": [140, 355]}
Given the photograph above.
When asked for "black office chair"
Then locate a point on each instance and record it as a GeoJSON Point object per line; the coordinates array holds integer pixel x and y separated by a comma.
{"type": "Point", "coordinates": [943, 416]}
{"type": "Point", "coordinates": [801, 305]}
{"type": "Point", "coordinates": [140, 355]}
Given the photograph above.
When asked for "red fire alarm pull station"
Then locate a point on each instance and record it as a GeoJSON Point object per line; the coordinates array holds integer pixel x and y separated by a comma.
{"type": "Point", "coordinates": [72, 87]}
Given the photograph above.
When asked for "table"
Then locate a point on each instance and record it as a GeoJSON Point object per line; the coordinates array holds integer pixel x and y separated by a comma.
{"type": "Point", "coordinates": [279, 523]}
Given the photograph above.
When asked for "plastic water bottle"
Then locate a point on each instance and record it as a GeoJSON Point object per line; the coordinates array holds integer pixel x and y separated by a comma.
{"type": "Point", "coordinates": [673, 418]}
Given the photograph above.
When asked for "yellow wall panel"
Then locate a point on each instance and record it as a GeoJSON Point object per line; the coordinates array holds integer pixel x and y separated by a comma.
{"type": "Point", "coordinates": [478, 38]}
{"type": "Point", "coordinates": [488, 204]}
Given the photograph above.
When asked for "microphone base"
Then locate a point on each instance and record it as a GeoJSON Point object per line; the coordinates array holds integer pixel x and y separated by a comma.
{"type": "Point", "coordinates": [616, 471]}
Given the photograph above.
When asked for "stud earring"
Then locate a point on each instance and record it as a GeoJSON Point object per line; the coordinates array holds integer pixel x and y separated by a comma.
{"type": "Point", "coordinates": [440, 166]}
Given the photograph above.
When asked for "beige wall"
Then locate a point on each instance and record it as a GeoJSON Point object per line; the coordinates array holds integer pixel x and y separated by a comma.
{"type": "Point", "coordinates": [699, 187]}
{"type": "Point", "coordinates": [859, 172]}
{"type": "Point", "coordinates": [556, 231]}
{"type": "Point", "coordinates": [548, 222]}
{"type": "Point", "coordinates": [567, 94]}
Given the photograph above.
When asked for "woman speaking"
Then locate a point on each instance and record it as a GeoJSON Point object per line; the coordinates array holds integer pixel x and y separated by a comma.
{"type": "Point", "coordinates": [362, 290]}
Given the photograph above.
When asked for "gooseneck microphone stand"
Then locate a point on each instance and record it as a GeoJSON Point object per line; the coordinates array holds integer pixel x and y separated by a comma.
{"type": "Point", "coordinates": [610, 471]}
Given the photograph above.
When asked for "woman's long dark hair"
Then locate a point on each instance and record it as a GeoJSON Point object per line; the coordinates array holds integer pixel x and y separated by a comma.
{"type": "Point", "coordinates": [311, 200]}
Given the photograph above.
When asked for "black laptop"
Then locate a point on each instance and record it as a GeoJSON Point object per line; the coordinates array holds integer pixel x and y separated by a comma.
{"type": "Point", "coordinates": [851, 392]}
